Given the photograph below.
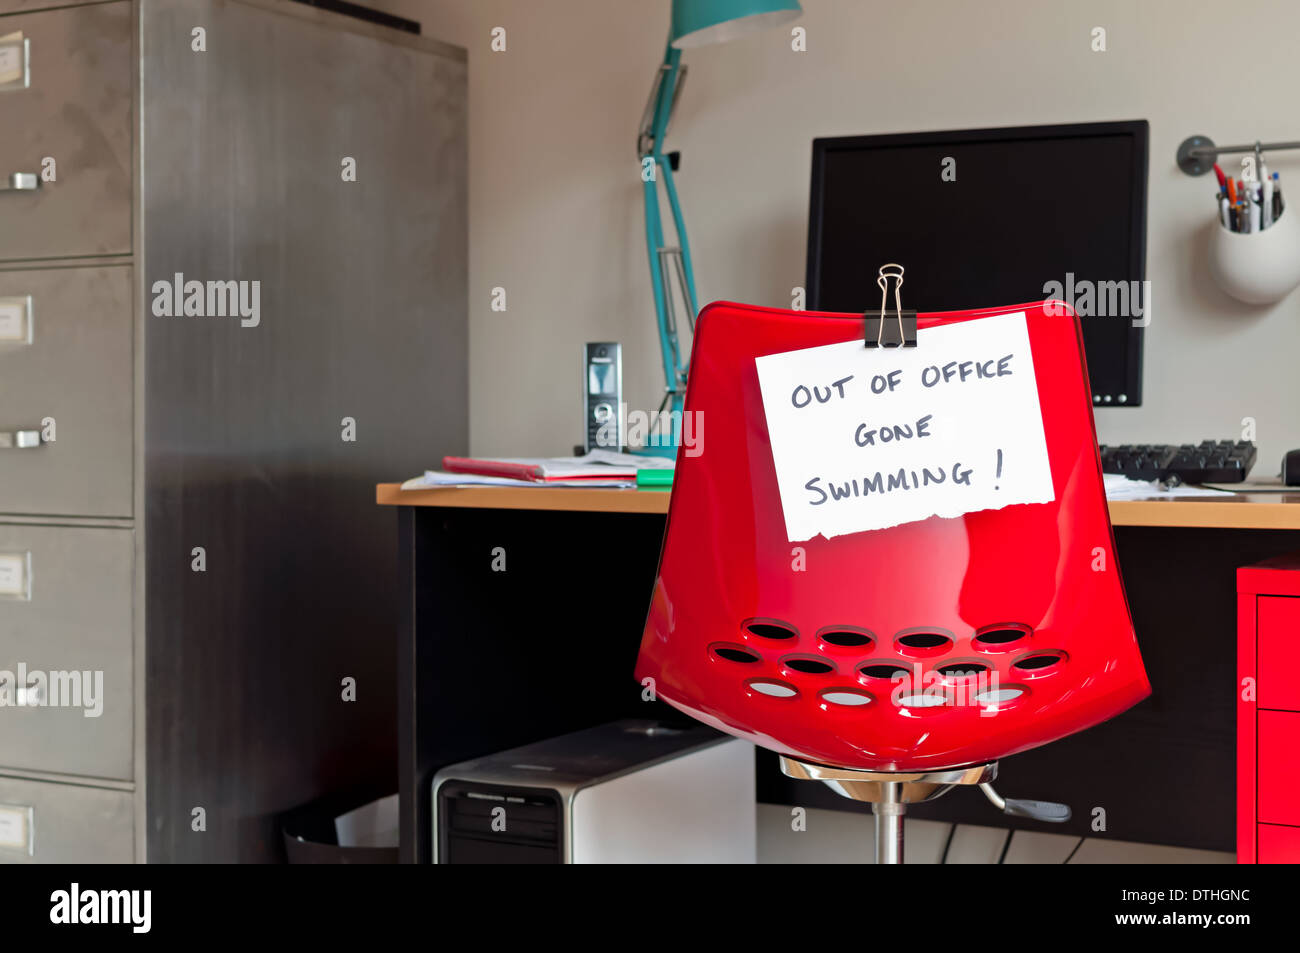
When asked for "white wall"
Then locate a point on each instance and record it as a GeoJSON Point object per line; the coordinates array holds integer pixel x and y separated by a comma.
{"type": "Point", "coordinates": [555, 199]}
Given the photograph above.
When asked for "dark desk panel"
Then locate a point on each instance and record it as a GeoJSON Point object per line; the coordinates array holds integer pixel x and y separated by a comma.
{"type": "Point", "coordinates": [490, 660]}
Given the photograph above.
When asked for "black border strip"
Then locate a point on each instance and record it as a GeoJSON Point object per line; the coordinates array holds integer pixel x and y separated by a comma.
{"type": "Point", "coordinates": [358, 12]}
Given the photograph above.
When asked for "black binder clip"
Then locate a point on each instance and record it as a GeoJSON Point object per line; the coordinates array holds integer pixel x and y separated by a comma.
{"type": "Point", "coordinates": [893, 330]}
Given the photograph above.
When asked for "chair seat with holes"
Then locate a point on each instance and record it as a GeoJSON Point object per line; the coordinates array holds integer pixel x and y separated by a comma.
{"type": "Point", "coordinates": [939, 643]}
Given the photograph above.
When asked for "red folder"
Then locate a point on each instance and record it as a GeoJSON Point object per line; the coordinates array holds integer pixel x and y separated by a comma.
{"type": "Point", "coordinates": [536, 472]}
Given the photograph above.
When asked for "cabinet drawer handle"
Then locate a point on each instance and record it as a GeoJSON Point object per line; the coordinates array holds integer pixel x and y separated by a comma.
{"type": "Point", "coordinates": [20, 182]}
{"type": "Point", "coordinates": [20, 439]}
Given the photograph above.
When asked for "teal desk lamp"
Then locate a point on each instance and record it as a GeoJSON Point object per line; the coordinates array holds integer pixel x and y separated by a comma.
{"type": "Point", "coordinates": [694, 23]}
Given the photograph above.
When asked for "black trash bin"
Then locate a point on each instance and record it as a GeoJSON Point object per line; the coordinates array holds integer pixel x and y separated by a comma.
{"type": "Point", "coordinates": [311, 837]}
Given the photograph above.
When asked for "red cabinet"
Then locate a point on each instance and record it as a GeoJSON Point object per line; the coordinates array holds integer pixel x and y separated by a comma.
{"type": "Point", "coordinates": [1268, 711]}
{"type": "Point", "coordinates": [1278, 844]}
{"type": "Point", "coordinates": [1277, 770]}
{"type": "Point", "coordinates": [1278, 645]}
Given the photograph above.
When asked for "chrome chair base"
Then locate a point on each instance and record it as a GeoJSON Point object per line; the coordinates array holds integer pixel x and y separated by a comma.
{"type": "Point", "coordinates": [889, 793]}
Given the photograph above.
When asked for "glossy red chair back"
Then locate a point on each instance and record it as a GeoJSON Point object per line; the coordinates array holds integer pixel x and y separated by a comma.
{"type": "Point", "coordinates": [850, 651]}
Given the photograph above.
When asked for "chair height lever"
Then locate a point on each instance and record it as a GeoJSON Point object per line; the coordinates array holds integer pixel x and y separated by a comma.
{"type": "Point", "coordinates": [1048, 811]}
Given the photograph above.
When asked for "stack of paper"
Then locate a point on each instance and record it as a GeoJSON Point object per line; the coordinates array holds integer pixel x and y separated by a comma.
{"type": "Point", "coordinates": [599, 468]}
{"type": "Point", "coordinates": [1120, 487]}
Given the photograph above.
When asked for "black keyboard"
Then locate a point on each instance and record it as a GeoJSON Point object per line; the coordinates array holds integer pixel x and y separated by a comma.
{"type": "Point", "coordinates": [1206, 462]}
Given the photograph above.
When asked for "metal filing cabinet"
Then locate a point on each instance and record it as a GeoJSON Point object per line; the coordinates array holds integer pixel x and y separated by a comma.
{"type": "Point", "coordinates": [75, 106]}
{"type": "Point", "coordinates": [188, 544]}
{"type": "Point", "coordinates": [66, 365]}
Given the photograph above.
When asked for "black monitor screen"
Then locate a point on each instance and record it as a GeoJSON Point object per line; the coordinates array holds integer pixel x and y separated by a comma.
{"type": "Point", "coordinates": [991, 217]}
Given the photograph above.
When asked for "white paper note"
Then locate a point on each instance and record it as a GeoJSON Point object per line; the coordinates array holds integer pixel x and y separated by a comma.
{"type": "Point", "coordinates": [869, 438]}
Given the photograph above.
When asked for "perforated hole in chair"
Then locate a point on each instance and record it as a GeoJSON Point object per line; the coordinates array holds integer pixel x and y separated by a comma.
{"type": "Point", "coordinates": [999, 696]}
{"type": "Point", "coordinates": [846, 697]}
{"type": "Point", "coordinates": [924, 640]}
{"type": "Point", "coordinates": [962, 669]}
{"type": "Point", "coordinates": [883, 671]}
{"type": "Point", "coordinates": [1000, 638]}
{"type": "Point", "coordinates": [845, 638]}
{"type": "Point", "coordinates": [733, 653]}
{"type": "Point", "coordinates": [1038, 663]}
{"type": "Point", "coordinates": [772, 688]}
{"type": "Point", "coordinates": [923, 643]}
{"type": "Point", "coordinates": [925, 700]}
{"type": "Point", "coordinates": [771, 629]}
{"type": "Point", "coordinates": [808, 665]}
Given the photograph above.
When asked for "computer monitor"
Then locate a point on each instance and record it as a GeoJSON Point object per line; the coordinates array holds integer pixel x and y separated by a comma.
{"type": "Point", "coordinates": [986, 217]}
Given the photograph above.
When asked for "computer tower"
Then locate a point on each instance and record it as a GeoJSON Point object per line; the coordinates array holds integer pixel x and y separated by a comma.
{"type": "Point", "coordinates": [630, 791]}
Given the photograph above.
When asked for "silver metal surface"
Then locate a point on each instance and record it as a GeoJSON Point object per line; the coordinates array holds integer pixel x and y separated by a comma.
{"type": "Point", "coordinates": [242, 151]}
{"type": "Point", "coordinates": [888, 813]}
{"type": "Point", "coordinates": [69, 823]}
{"type": "Point", "coordinates": [566, 763]}
{"type": "Point", "coordinates": [888, 792]}
{"type": "Point", "coordinates": [994, 798]}
{"type": "Point", "coordinates": [645, 140]}
{"type": "Point", "coordinates": [1196, 154]}
{"type": "Point", "coordinates": [570, 763]}
{"type": "Point", "coordinates": [1049, 812]}
{"type": "Point", "coordinates": [871, 785]}
{"type": "Point", "coordinates": [74, 123]}
{"type": "Point", "coordinates": [77, 374]}
{"type": "Point", "coordinates": [894, 271]}
{"type": "Point", "coordinates": [78, 619]}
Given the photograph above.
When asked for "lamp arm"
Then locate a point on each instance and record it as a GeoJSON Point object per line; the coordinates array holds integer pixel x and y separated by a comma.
{"type": "Point", "coordinates": [679, 223]}
{"type": "Point", "coordinates": [650, 145]}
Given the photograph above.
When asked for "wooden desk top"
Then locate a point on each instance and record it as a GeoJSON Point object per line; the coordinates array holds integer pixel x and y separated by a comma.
{"type": "Point", "coordinates": [594, 500]}
{"type": "Point", "coordinates": [1232, 511]}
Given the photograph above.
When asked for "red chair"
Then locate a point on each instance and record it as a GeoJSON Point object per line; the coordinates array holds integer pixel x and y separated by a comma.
{"type": "Point", "coordinates": [802, 647]}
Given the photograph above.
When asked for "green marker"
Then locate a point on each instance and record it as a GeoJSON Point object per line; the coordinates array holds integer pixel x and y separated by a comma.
{"type": "Point", "coordinates": [648, 477]}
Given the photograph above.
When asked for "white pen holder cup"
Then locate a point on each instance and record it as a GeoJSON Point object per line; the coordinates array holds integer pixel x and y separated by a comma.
{"type": "Point", "coordinates": [1258, 267]}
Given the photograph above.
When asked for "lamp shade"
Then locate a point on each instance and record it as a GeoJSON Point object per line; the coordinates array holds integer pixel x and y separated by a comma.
{"type": "Point", "coordinates": [700, 22]}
